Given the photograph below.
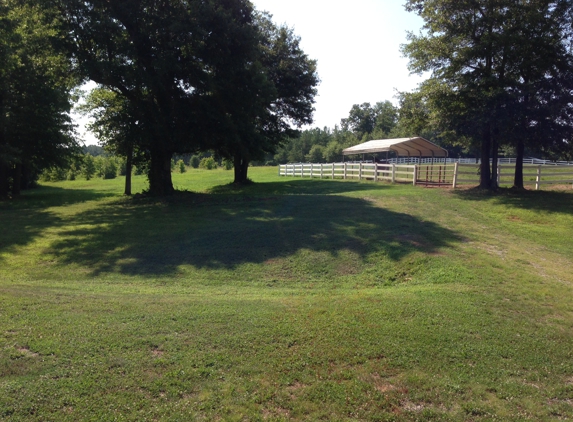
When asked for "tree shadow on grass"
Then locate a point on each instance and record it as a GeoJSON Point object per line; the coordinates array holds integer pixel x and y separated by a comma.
{"type": "Point", "coordinates": [49, 196]}
{"type": "Point", "coordinates": [26, 217]}
{"type": "Point", "coordinates": [293, 186]}
{"type": "Point", "coordinates": [224, 231]}
{"type": "Point", "coordinates": [546, 201]}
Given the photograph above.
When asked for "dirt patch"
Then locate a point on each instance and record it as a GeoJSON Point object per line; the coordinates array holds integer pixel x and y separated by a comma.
{"type": "Point", "coordinates": [275, 412]}
{"type": "Point", "coordinates": [382, 384]}
{"type": "Point", "coordinates": [412, 407]}
{"type": "Point", "coordinates": [27, 352]}
{"type": "Point", "coordinates": [157, 353]}
{"type": "Point", "coordinates": [295, 387]}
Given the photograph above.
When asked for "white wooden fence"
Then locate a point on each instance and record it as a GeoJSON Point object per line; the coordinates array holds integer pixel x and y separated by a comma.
{"type": "Point", "coordinates": [436, 174]}
{"type": "Point", "coordinates": [436, 161]}
{"type": "Point", "coordinates": [367, 171]}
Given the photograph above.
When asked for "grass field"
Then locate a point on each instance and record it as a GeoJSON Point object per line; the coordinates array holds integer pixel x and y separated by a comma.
{"type": "Point", "coordinates": [287, 299]}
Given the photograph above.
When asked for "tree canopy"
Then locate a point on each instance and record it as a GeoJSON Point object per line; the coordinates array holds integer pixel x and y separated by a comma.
{"type": "Point", "coordinates": [198, 75]}
{"type": "Point", "coordinates": [36, 81]}
{"type": "Point", "coordinates": [500, 72]}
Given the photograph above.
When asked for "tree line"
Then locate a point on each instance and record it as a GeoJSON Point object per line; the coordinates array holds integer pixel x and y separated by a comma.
{"type": "Point", "coordinates": [190, 76]}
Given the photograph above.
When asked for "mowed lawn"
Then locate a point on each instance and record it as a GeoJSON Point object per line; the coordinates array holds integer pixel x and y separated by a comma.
{"type": "Point", "coordinates": [288, 299]}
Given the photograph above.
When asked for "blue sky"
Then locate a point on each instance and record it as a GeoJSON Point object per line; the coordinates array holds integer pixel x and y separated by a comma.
{"type": "Point", "coordinates": [357, 46]}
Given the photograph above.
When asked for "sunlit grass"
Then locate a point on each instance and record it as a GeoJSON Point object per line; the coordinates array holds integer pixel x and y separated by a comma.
{"type": "Point", "coordinates": [287, 299]}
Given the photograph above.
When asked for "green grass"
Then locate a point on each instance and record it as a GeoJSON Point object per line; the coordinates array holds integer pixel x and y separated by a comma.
{"type": "Point", "coordinates": [287, 299]}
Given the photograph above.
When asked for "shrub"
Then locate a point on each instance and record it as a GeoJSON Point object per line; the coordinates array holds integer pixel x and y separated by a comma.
{"type": "Point", "coordinates": [54, 175]}
{"type": "Point", "coordinates": [88, 169]}
{"type": "Point", "coordinates": [181, 166]}
{"type": "Point", "coordinates": [228, 164]}
{"type": "Point", "coordinates": [195, 161]}
{"type": "Point", "coordinates": [105, 167]}
{"type": "Point", "coordinates": [208, 163]}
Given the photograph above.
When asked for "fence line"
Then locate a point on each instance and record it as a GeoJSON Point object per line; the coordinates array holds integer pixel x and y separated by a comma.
{"type": "Point", "coordinates": [445, 174]}
{"type": "Point", "coordinates": [417, 160]}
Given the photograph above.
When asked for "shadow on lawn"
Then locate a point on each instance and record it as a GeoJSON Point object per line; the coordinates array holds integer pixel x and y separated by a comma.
{"type": "Point", "coordinates": [24, 218]}
{"type": "Point", "coordinates": [293, 186]}
{"type": "Point", "coordinates": [223, 231]}
{"type": "Point", "coordinates": [548, 201]}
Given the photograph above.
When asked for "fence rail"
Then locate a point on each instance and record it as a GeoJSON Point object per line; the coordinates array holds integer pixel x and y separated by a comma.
{"type": "Point", "coordinates": [436, 161]}
{"type": "Point", "coordinates": [436, 174]}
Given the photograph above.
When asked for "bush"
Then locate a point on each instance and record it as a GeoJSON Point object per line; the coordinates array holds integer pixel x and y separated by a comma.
{"type": "Point", "coordinates": [316, 154]}
{"type": "Point", "coordinates": [181, 166]}
{"type": "Point", "coordinates": [228, 164]}
{"type": "Point", "coordinates": [122, 165]}
{"type": "Point", "coordinates": [88, 169]}
{"type": "Point", "coordinates": [54, 175]}
{"type": "Point", "coordinates": [105, 167]}
{"type": "Point", "coordinates": [208, 163]}
{"type": "Point", "coordinates": [195, 161]}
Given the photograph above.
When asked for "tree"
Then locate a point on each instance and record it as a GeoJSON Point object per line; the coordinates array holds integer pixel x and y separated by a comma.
{"type": "Point", "coordinates": [116, 127]}
{"type": "Point", "coordinates": [280, 96]}
{"type": "Point", "coordinates": [373, 121]}
{"type": "Point", "coordinates": [35, 95]}
{"type": "Point", "coordinates": [478, 53]}
{"type": "Point", "coordinates": [172, 62]}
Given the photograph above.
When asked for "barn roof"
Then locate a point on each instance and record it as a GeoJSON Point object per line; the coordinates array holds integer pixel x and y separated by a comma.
{"type": "Point", "coordinates": [403, 147]}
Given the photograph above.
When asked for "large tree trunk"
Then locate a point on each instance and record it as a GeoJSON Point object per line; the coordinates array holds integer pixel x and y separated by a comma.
{"type": "Point", "coordinates": [4, 182]}
{"type": "Point", "coordinates": [17, 179]}
{"type": "Point", "coordinates": [241, 168]}
{"type": "Point", "coordinates": [494, 157]}
{"type": "Point", "coordinates": [518, 176]}
{"type": "Point", "coordinates": [160, 183]}
{"type": "Point", "coordinates": [128, 169]}
{"type": "Point", "coordinates": [485, 172]}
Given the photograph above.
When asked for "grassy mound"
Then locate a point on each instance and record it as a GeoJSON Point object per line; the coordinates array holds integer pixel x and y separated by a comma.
{"type": "Point", "coordinates": [286, 299]}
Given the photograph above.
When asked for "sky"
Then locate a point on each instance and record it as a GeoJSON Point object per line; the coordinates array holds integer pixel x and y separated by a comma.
{"type": "Point", "coordinates": [357, 47]}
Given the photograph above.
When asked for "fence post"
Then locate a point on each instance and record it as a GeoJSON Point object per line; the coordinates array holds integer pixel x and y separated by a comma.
{"type": "Point", "coordinates": [375, 172]}
{"type": "Point", "coordinates": [345, 171]}
{"type": "Point", "coordinates": [498, 173]}
{"type": "Point", "coordinates": [538, 178]}
{"type": "Point", "coordinates": [393, 173]}
{"type": "Point", "coordinates": [455, 181]}
{"type": "Point", "coordinates": [332, 171]}
{"type": "Point", "coordinates": [360, 171]}
{"type": "Point", "coordinates": [311, 169]}
{"type": "Point", "coordinates": [415, 175]}
{"type": "Point", "coordinates": [321, 170]}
